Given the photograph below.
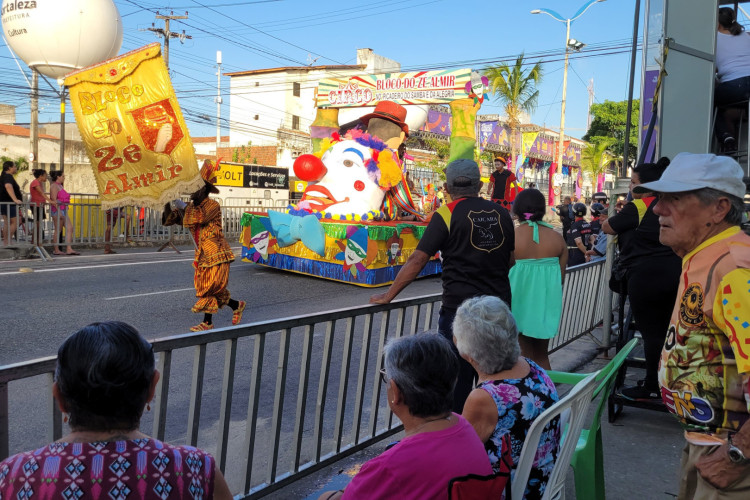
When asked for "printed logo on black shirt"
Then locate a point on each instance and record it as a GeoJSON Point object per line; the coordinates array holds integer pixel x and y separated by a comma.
{"type": "Point", "coordinates": [486, 232]}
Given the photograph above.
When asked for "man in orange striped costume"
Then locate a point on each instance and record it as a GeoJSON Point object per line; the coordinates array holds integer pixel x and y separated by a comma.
{"type": "Point", "coordinates": [212, 253]}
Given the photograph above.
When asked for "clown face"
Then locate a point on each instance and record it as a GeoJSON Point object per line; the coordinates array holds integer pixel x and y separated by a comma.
{"type": "Point", "coordinates": [345, 187]}
{"type": "Point", "coordinates": [354, 253]}
{"type": "Point", "coordinates": [260, 241]}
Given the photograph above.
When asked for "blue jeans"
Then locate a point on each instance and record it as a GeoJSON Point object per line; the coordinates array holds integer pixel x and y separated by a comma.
{"type": "Point", "coordinates": [727, 94]}
{"type": "Point", "coordinates": [466, 373]}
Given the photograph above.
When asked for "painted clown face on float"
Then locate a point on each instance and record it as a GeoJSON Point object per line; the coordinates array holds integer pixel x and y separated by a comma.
{"type": "Point", "coordinates": [350, 177]}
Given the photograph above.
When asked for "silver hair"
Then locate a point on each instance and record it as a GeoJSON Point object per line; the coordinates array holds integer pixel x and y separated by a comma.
{"type": "Point", "coordinates": [486, 331]}
{"type": "Point", "coordinates": [707, 196]}
{"type": "Point", "coordinates": [425, 369]}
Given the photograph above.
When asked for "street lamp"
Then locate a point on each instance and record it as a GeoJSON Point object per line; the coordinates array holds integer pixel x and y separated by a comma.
{"type": "Point", "coordinates": [570, 44]}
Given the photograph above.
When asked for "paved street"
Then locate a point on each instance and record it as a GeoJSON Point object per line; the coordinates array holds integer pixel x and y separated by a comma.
{"type": "Point", "coordinates": [153, 292]}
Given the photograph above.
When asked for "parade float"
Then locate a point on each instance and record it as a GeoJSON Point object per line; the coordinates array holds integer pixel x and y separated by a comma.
{"type": "Point", "coordinates": [356, 222]}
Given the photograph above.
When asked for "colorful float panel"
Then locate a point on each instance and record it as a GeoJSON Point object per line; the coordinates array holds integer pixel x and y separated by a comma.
{"type": "Point", "coordinates": [361, 253]}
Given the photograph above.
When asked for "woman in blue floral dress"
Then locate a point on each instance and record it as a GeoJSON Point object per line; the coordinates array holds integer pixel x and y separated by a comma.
{"type": "Point", "coordinates": [512, 390]}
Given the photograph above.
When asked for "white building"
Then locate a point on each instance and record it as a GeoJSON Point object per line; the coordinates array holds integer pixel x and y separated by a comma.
{"type": "Point", "coordinates": [276, 106]}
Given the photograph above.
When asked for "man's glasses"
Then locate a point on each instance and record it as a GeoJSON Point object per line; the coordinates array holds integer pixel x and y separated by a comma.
{"type": "Point", "coordinates": [383, 376]}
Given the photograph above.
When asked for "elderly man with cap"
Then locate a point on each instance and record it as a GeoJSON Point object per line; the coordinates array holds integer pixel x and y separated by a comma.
{"type": "Point", "coordinates": [476, 240]}
{"type": "Point", "coordinates": [705, 364]}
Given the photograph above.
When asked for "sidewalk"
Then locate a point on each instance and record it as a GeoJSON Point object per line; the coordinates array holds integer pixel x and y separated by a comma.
{"type": "Point", "coordinates": [642, 448]}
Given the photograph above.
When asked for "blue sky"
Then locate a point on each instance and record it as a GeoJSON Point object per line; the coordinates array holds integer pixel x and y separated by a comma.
{"type": "Point", "coordinates": [420, 34]}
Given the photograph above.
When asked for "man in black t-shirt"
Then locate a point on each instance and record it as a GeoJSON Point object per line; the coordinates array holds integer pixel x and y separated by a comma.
{"type": "Point", "coordinates": [579, 236]}
{"type": "Point", "coordinates": [476, 240]}
{"type": "Point", "coordinates": [500, 182]}
{"type": "Point", "coordinates": [10, 196]}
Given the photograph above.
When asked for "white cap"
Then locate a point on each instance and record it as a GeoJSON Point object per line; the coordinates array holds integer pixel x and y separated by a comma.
{"type": "Point", "coordinates": [689, 171]}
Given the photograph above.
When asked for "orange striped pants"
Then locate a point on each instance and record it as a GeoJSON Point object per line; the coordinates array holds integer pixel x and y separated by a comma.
{"type": "Point", "coordinates": [211, 288]}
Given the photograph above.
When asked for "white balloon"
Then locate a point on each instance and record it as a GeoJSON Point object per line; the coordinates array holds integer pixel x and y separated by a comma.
{"type": "Point", "coordinates": [60, 36]}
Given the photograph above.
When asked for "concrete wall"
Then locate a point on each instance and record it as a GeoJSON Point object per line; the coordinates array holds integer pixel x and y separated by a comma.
{"type": "Point", "coordinates": [79, 178]}
{"type": "Point", "coordinates": [15, 146]}
{"type": "Point", "coordinates": [7, 114]}
{"type": "Point", "coordinates": [376, 63]}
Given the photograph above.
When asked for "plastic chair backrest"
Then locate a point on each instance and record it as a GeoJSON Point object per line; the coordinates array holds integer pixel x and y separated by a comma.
{"type": "Point", "coordinates": [606, 379]}
{"type": "Point", "coordinates": [577, 401]}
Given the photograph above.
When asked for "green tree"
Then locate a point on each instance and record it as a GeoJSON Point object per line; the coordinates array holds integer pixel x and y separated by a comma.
{"type": "Point", "coordinates": [21, 162]}
{"type": "Point", "coordinates": [516, 89]}
{"type": "Point", "coordinates": [596, 157]}
{"type": "Point", "coordinates": [609, 122]}
{"type": "Point", "coordinates": [438, 161]}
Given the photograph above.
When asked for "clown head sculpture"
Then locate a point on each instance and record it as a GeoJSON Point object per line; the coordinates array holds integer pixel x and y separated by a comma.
{"type": "Point", "coordinates": [348, 176]}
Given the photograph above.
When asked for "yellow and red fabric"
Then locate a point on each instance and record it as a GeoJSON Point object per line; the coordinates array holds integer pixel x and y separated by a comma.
{"type": "Point", "coordinates": [133, 130]}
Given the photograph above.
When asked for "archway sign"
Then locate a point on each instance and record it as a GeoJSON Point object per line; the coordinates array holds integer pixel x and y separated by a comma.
{"type": "Point", "coordinates": [462, 89]}
{"type": "Point", "coordinates": [357, 222]}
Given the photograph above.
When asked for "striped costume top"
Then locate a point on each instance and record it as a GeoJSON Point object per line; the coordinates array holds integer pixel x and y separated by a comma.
{"type": "Point", "coordinates": [204, 223]}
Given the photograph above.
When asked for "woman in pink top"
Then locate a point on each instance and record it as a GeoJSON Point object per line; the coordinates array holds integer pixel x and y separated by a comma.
{"type": "Point", "coordinates": [59, 212]}
{"type": "Point", "coordinates": [38, 200]}
{"type": "Point", "coordinates": [438, 445]}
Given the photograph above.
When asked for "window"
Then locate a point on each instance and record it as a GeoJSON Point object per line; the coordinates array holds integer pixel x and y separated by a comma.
{"type": "Point", "coordinates": [295, 89]}
{"type": "Point", "coordinates": [295, 122]}
{"type": "Point", "coordinates": [257, 84]}
{"type": "Point", "coordinates": [256, 117]}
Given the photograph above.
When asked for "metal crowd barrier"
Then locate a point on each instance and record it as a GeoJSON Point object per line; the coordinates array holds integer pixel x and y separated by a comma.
{"type": "Point", "coordinates": [274, 400]}
{"type": "Point", "coordinates": [128, 224]}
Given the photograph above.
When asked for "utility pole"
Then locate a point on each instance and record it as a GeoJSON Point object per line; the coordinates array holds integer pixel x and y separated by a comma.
{"type": "Point", "coordinates": [166, 34]}
{"type": "Point", "coordinates": [561, 140]}
{"type": "Point", "coordinates": [34, 135]}
{"type": "Point", "coordinates": [218, 102]}
{"type": "Point", "coordinates": [591, 103]}
{"type": "Point", "coordinates": [62, 127]}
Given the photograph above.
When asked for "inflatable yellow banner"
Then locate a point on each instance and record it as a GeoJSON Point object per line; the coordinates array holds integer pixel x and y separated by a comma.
{"type": "Point", "coordinates": [133, 130]}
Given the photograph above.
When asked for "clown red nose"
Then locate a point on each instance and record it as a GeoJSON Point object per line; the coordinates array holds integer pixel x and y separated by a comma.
{"type": "Point", "coordinates": [309, 168]}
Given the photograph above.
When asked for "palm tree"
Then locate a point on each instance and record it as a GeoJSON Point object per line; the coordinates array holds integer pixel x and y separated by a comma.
{"type": "Point", "coordinates": [516, 90]}
{"type": "Point", "coordinates": [595, 157]}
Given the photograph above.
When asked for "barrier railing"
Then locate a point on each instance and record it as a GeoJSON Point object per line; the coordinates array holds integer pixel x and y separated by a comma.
{"type": "Point", "coordinates": [273, 400]}
{"type": "Point", "coordinates": [89, 222]}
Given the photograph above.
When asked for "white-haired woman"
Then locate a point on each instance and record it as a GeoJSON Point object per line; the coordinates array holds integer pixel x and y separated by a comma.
{"type": "Point", "coordinates": [438, 445]}
{"type": "Point", "coordinates": [511, 391]}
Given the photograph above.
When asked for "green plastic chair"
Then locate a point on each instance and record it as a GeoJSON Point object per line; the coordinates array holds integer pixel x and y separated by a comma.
{"type": "Point", "coordinates": [588, 457]}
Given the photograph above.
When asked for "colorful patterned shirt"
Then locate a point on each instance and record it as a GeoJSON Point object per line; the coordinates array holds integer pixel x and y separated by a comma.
{"type": "Point", "coordinates": [708, 340]}
{"type": "Point", "coordinates": [118, 470]}
{"type": "Point", "coordinates": [519, 401]}
{"type": "Point", "coordinates": [204, 222]}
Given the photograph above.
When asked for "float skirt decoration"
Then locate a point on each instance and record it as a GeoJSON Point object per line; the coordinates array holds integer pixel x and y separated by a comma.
{"type": "Point", "coordinates": [358, 252]}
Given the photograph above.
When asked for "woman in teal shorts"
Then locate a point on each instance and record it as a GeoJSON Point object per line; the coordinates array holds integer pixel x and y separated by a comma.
{"type": "Point", "coordinates": [536, 278]}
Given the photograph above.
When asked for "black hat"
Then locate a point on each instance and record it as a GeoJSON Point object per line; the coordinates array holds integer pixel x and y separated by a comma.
{"type": "Point", "coordinates": [579, 210]}
{"type": "Point", "coordinates": [597, 208]}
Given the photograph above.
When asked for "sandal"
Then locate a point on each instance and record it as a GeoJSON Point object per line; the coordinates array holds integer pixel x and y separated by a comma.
{"type": "Point", "coordinates": [59, 253]}
{"type": "Point", "coordinates": [202, 327]}
{"type": "Point", "coordinates": [237, 314]}
{"type": "Point", "coordinates": [72, 253]}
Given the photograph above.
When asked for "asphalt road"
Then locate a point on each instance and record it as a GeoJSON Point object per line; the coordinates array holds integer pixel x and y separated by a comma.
{"type": "Point", "coordinates": [151, 291]}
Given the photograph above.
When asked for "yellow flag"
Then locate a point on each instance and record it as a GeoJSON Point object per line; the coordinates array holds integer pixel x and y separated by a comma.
{"type": "Point", "coordinates": [133, 129]}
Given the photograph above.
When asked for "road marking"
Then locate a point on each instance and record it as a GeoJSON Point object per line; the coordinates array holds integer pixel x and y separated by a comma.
{"type": "Point", "coordinates": [150, 293]}
{"type": "Point", "coordinates": [99, 266]}
{"type": "Point", "coordinates": [96, 266]}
